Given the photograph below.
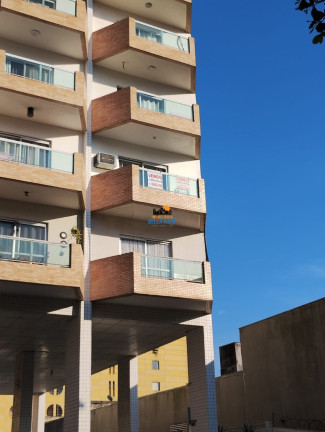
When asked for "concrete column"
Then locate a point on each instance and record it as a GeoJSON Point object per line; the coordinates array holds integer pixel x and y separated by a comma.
{"type": "Point", "coordinates": [128, 417]}
{"type": "Point", "coordinates": [23, 393]}
{"type": "Point", "coordinates": [38, 418]}
{"type": "Point", "coordinates": [202, 389]}
{"type": "Point", "coordinates": [78, 372]}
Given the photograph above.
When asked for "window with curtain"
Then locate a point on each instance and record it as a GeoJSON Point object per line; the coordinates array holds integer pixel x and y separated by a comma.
{"type": "Point", "coordinates": [155, 260]}
{"type": "Point", "coordinates": [18, 246]}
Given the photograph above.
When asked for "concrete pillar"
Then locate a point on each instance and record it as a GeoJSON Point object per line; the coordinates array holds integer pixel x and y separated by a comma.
{"type": "Point", "coordinates": [202, 389]}
{"type": "Point", "coordinates": [23, 393]}
{"type": "Point", "coordinates": [78, 372]}
{"type": "Point", "coordinates": [128, 417]}
{"type": "Point", "coordinates": [38, 417]}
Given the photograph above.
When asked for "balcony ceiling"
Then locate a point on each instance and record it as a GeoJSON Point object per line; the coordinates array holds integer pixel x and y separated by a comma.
{"type": "Point", "coordinates": [170, 12]}
{"type": "Point", "coordinates": [48, 112]}
{"type": "Point", "coordinates": [137, 64]}
{"type": "Point", "coordinates": [142, 212]}
{"type": "Point", "coordinates": [175, 142]}
{"type": "Point", "coordinates": [38, 194]}
{"type": "Point", "coordinates": [53, 38]}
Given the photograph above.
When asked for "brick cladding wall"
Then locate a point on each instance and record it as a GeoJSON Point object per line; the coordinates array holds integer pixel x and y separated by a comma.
{"type": "Point", "coordinates": [121, 275]}
{"type": "Point", "coordinates": [111, 40]}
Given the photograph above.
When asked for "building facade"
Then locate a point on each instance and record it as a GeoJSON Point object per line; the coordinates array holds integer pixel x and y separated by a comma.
{"type": "Point", "coordinates": [102, 220]}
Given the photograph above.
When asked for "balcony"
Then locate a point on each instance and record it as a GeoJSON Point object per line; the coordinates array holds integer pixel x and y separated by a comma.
{"type": "Point", "coordinates": [146, 120]}
{"type": "Point", "coordinates": [175, 13]}
{"type": "Point", "coordinates": [50, 177]}
{"type": "Point", "coordinates": [60, 25]}
{"type": "Point", "coordinates": [141, 280]}
{"type": "Point", "coordinates": [147, 52]}
{"type": "Point", "coordinates": [132, 192]}
{"type": "Point", "coordinates": [38, 268]}
{"type": "Point", "coordinates": [57, 96]}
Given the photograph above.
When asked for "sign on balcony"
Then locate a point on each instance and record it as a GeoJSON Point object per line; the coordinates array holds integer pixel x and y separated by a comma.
{"type": "Point", "coordinates": [155, 180]}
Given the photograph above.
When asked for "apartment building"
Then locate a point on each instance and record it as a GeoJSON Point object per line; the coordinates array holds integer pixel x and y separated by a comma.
{"type": "Point", "coordinates": [102, 216]}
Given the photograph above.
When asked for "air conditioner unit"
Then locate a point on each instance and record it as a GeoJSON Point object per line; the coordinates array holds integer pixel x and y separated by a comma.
{"type": "Point", "coordinates": [106, 161]}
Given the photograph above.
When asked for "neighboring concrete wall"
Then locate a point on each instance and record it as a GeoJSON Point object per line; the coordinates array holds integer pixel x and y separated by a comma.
{"type": "Point", "coordinates": [54, 426]}
{"type": "Point", "coordinates": [283, 358]}
{"type": "Point", "coordinates": [156, 412]}
{"type": "Point", "coordinates": [231, 399]}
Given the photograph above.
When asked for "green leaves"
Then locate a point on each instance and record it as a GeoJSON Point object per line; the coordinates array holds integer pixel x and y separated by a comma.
{"type": "Point", "coordinates": [318, 17]}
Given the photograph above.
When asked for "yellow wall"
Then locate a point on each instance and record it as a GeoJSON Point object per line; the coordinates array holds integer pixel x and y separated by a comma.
{"type": "Point", "coordinates": [172, 373]}
{"type": "Point", "coordinates": [5, 415]}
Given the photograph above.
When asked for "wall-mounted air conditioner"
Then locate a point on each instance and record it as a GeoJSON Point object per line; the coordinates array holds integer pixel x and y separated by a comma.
{"type": "Point", "coordinates": [106, 161]}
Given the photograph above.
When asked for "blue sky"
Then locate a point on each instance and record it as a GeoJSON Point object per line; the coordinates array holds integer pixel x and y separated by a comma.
{"type": "Point", "coordinates": [260, 86]}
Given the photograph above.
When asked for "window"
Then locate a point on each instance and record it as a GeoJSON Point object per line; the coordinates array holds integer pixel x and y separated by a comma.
{"type": "Point", "coordinates": [49, 411]}
{"type": "Point", "coordinates": [147, 165]}
{"type": "Point", "coordinates": [155, 365]}
{"type": "Point", "coordinates": [147, 247]}
{"type": "Point", "coordinates": [14, 242]}
{"type": "Point", "coordinates": [114, 388]}
{"type": "Point", "coordinates": [156, 386]}
{"type": "Point", "coordinates": [59, 411]}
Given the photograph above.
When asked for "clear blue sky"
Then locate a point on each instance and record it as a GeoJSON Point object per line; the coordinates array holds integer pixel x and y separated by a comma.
{"type": "Point", "coordinates": [260, 86]}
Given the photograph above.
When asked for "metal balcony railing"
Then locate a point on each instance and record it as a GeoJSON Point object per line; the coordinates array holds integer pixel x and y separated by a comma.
{"type": "Point", "coordinates": [168, 182]}
{"type": "Point", "coordinates": [66, 6]}
{"type": "Point", "coordinates": [29, 154]}
{"type": "Point", "coordinates": [34, 251]}
{"type": "Point", "coordinates": [154, 103]}
{"type": "Point", "coordinates": [39, 72]}
{"type": "Point", "coordinates": [163, 37]}
{"type": "Point", "coordinates": [170, 268]}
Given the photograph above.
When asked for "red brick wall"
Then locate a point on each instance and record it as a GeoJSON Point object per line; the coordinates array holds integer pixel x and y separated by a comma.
{"type": "Point", "coordinates": [111, 40]}
{"type": "Point", "coordinates": [111, 110]}
{"type": "Point", "coordinates": [112, 277]}
{"type": "Point", "coordinates": [111, 188]}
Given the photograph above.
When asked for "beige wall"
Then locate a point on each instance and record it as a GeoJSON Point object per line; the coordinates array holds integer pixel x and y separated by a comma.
{"type": "Point", "coordinates": [231, 399]}
{"type": "Point", "coordinates": [283, 370]}
{"type": "Point", "coordinates": [106, 232]}
{"type": "Point", "coordinates": [283, 359]}
{"type": "Point", "coordinates": [169, 408]}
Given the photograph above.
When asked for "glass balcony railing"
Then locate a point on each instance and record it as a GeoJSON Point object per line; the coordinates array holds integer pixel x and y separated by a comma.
{"type": "Point", "coordinates": [66, 6]}
{"type": "Point", "coordinates": [29, 154]}
{"type": "Point", "coordinates": [34, 251]}
{"type": "Point", "coordinates": [40, 72]}
{"type": "Point", "coordinates": [168, 182]}
{"type": "Point", "coordinates": [161, 36]}
{"type": "Point", "coordinates": [169, 268]}
{"type": "Point", "coordinates": [164, 106]}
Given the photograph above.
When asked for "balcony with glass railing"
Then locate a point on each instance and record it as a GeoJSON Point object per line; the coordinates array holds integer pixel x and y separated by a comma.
{"type": "Point", "coordinates": [168, 182]}
{"type": "Point", "coordinates": [34, 251]}
{"type": "Point", "coordinates": [170, 268]}
{"type": "Point", "coordinates": [65, 6]}
{"type": "Point", "coordinates": [29, 154]}
{"type": "Point", "coordinates": [155, 34]}
{"type": "Point", "coordinates": [164, 106]}
{"type": "Point", "coordinates": [40, 72]}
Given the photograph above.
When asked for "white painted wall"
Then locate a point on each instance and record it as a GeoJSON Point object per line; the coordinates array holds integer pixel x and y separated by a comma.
{"type": "Point", "coordinates": [64, 140]}
{"type": "Point", "coordinates": [41, 56]}
{"type": "Point", "coordinates": [106, 81]}
{"type": "Point", "coordinates": [106, 233]}
{"type": "Point", "coordinates": [177, 164]}
{"type": "Point", "coordinates": [105, 15]}
{"type": "Point", "coordinates": [57, 219]}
